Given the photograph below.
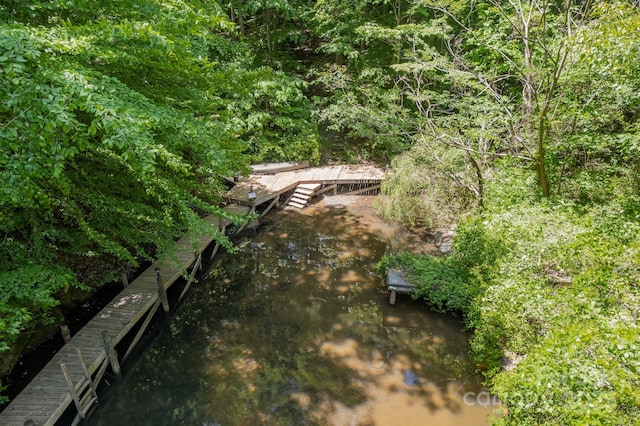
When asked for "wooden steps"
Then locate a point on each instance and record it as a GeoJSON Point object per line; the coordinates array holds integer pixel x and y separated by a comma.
{"type": "Point", "coordinates": [268, 187]}
{"type": "Point", "coordinates": [302, 194]}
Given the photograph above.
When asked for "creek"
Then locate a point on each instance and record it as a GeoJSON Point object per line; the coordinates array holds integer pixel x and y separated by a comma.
{"type": "Point", "coordinates": [296, 329]}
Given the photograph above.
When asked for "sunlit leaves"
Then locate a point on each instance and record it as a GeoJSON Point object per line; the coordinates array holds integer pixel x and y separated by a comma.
{"type": "Point", "coordinates": [269, 112]}
{"type": "Point", "coordinates": [117, 122]}
{"type": "Point", "coordinates": [597, 119]}
{"type": "Point", "coordinates": [89, 163]}
{"type": "Point", "coordinates": [559, 297]}
{"type": "Point", "coordinates": [419, 191]}
{"type": "Point", "coordinates": [609, 44]}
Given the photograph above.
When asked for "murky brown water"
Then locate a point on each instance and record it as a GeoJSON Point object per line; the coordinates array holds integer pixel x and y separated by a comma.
{"type": "Point", "coordinates": [296, 329]}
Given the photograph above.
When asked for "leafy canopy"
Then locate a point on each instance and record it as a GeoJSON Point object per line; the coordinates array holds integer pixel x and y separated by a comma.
{"type": "Point", "coordinates": [118, 121]}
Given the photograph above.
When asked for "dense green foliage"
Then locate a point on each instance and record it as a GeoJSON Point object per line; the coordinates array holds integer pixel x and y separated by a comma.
{"type": "Point", "coordinates": [550, 290]}
{"type": "Point", "coordinates": [545, 271]}
{"type": "Point", "coordinates": [518, 120]}
{"type": "Point", "coordinates": [559, 290]}
{"type": "Point", "coordinates": [442, 281]}
{"type": "Point", "coordinates": [420, 191]}
{"type": "Point", "coordinates": [118, 121]}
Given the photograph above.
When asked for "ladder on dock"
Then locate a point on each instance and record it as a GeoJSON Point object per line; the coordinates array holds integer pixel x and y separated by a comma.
{"type": "Point", "coordinates": [78, 367]}
{"type": "Point", "coordinates": [302, 194]}
{"type": "Point", "coordinates": [83, 392]}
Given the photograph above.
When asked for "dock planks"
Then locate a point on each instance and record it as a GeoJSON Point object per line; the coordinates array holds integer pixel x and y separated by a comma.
{"type": "Point", "coordinates": [270, 186]}
{"type": "Point", "coordinates": [271, 168]}
{"type": "Point", "coordinates": [47, 396]}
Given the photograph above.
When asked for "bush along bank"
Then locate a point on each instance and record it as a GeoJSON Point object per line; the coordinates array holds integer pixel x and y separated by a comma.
{"type": "Point", "coordinates": [550, 289]}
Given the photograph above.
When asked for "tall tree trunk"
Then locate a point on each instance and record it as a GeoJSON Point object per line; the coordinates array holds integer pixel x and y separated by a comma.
{"type": "Point", "coordinates": [268, 22]}
{"type": "Point", "coordinates": [236, 17]}
{"type": "Point", "coordinates": [480, 179]}
{"type": "Point", "coordinates": [241, 23]}
{"type": "Point", "coordinates": [543, 179]}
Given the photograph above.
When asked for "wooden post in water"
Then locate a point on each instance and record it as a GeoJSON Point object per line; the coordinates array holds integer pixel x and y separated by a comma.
{"type": "Point", "coordinates": [162, 292]}
{"type": "Point", "coordinates": [217, 246]}
{"type": "Point", "coordinates": [392, 297]}
{"type": "Point", "coordinates": [66, 334]}
{"type": "Point", "coordinates": [124, 278]}
{"type": "Point", "coordinates": [111, 353]}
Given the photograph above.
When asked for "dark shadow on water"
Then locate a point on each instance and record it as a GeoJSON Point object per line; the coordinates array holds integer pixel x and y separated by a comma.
{"type": "Point", "coordinates": [296, 328]}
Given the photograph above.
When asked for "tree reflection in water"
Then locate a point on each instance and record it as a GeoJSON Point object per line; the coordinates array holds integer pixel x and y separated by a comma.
{"type": "Point", "coordinates": [296, 329]}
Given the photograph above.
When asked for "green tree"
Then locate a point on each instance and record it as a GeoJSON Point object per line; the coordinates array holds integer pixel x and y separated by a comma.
{"type": "Point", "coordinates": [85, 172]}
{"type": "Point", "coordinates": [516, 48]}
{"type": "Point", "coordinates": [268, 112]}
{"type": "Point", "coordinates": [271, 24]}
{"type": "Point", "coordinates": [596, 125]}
{"type": "Point", "coordinates": [117, 123]}
{"type": "Point", "coordinates": [358, 96]}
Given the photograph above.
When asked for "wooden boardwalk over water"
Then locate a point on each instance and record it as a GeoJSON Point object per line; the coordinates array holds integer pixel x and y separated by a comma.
{"type": "Point", "coordinates": [269, 186]}
{"type": "Point", "coordinates": [46, 398]}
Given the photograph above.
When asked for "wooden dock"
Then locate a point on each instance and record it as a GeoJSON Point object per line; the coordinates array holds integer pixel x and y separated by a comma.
{"type": "Point", "coordinates": [397, 283]}
{"type": "Point", "coordinates": [47, 396]}
{"type": "Point", "coordinates": [273, 168]}
{"type": "Point", "coordinates": [73, 373]}
{"type": "Point", "coordinates": [268, 187]}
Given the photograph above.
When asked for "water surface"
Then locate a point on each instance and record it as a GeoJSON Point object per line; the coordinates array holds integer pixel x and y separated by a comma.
{"type": "Point", "coordinates": [296, 329]}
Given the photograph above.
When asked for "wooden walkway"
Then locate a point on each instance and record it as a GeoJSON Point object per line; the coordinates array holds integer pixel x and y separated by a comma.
{"type": "Point", "coordinates": [273, 168]}
{"type": "Point", "coordinates": [269, 186]}
{"type": "Point", "coordinates": [47, 396]}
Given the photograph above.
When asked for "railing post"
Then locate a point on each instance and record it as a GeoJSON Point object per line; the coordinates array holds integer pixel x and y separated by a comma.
{"type": "Point", "coordinates": [124, 279]}
{"type": "Point", "coordinates": [162, 292]}
{"type": "Point", "coordinates": [66, 334]}
{"type": "Point", "coordinates": [111, 353]}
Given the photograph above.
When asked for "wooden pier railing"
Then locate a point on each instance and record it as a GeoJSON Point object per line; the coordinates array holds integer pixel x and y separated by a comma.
{"type": "Point", "coordinates": [71, 376]}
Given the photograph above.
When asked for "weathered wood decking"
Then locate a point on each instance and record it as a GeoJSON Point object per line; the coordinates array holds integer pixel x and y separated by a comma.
{"type": "Point", "coordinates": [273, 168]}
{"type": "Point", "coordinates": [397, 283]}
{"type": "Point", "coordinates": [267, 187]}
{"type": "Point", "coordinates": [47, 396]}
